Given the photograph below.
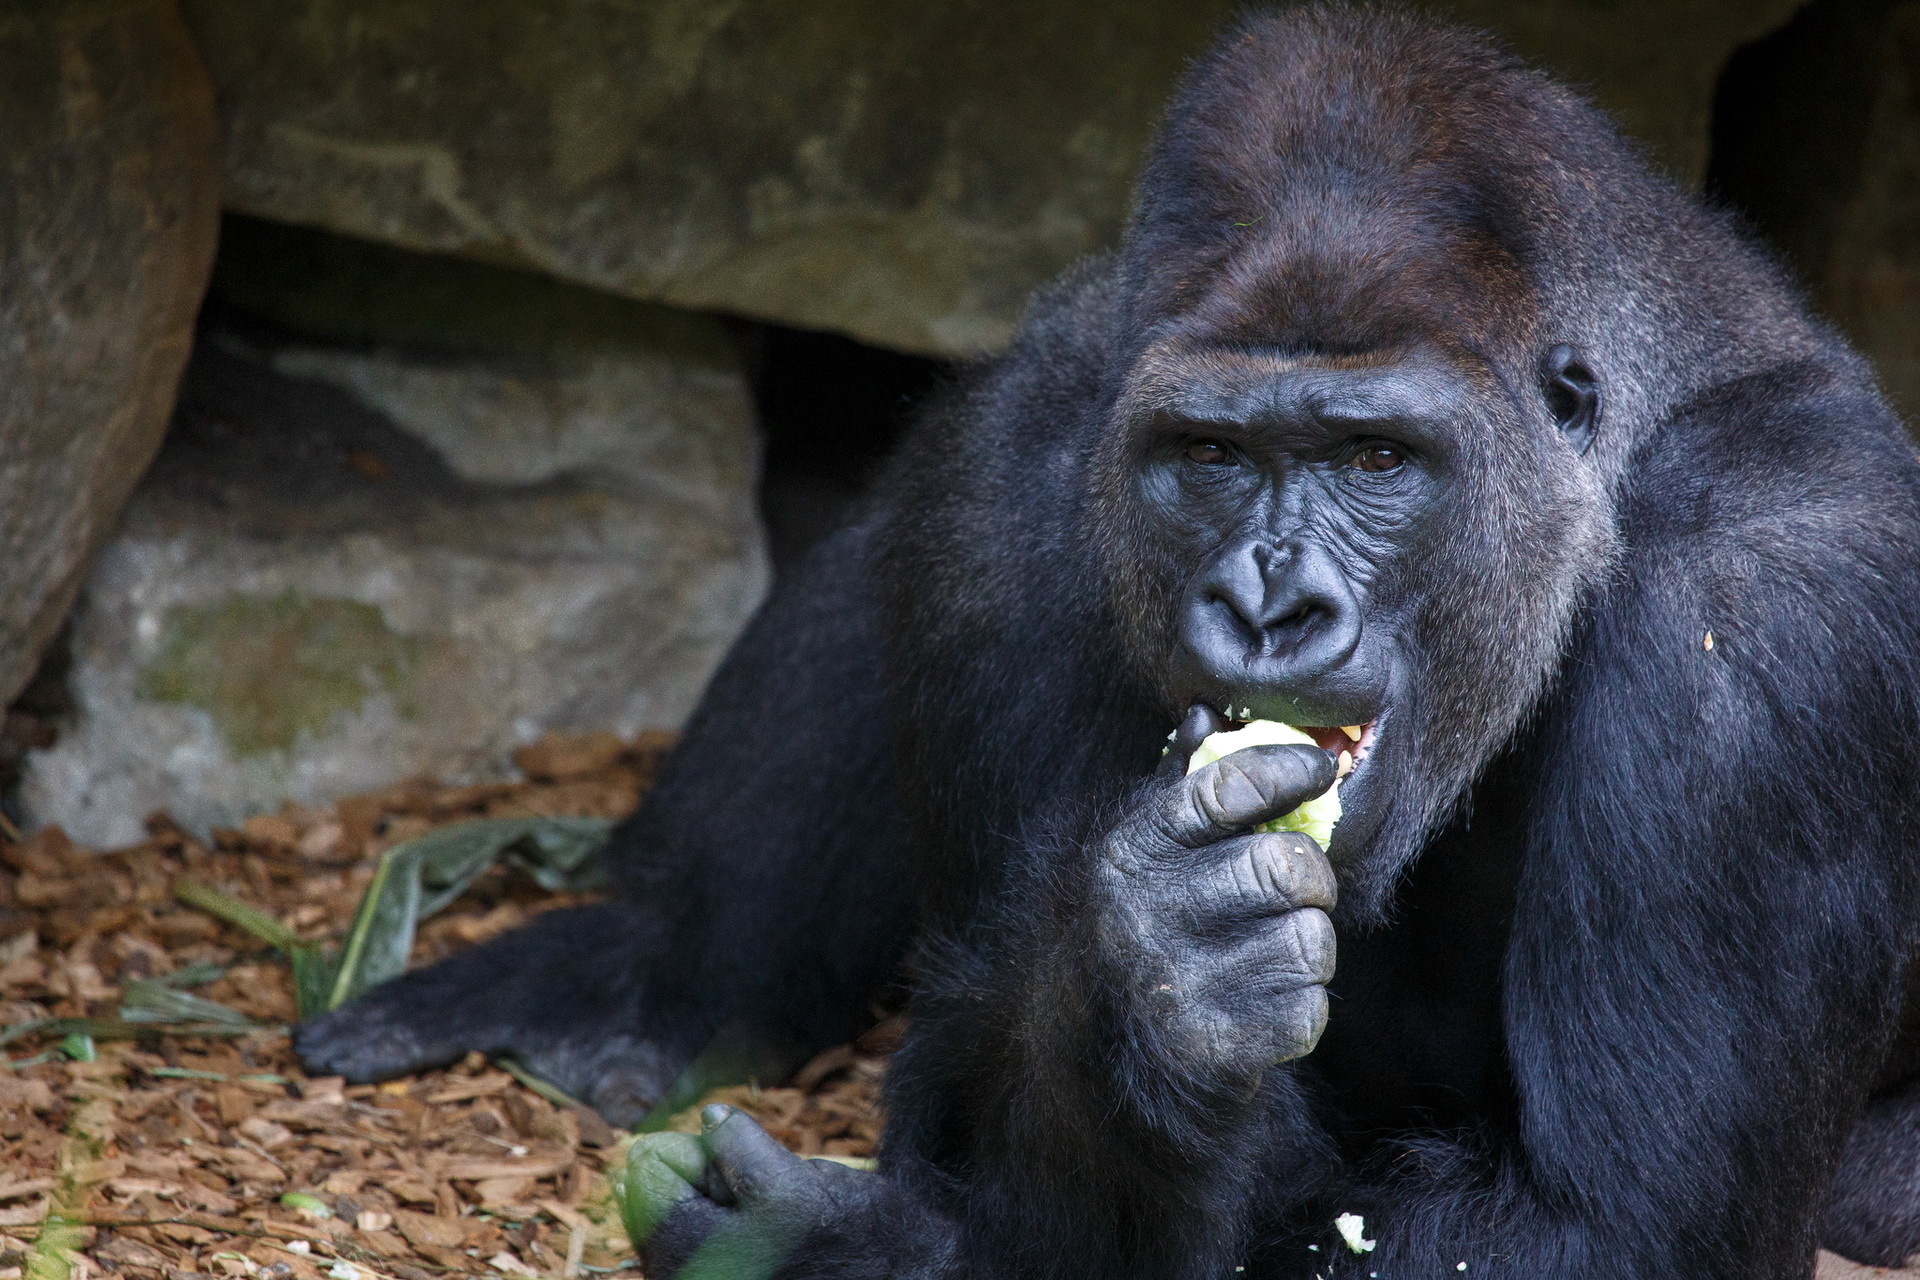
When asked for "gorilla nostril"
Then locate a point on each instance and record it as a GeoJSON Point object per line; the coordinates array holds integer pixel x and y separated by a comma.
{"type": "Point", "coordinates": [1243, 621]}
{"type": "Point", "coordinates": [1297, 629]}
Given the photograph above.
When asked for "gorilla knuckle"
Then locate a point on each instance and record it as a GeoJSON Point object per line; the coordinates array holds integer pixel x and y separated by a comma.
{"type": "Point", "coordinates": [358, 1044]}
{"type": "Point", "coordinates": [1289, 870]}
{"type": "Point", "coordinates": [1318, 945]}
{"type": "Point", "coordinates": [1302, 1022]}
{"type": "Point", "coordinates": [1303, 949]}
{"type": "Point", "coordinates": [1231, 795]}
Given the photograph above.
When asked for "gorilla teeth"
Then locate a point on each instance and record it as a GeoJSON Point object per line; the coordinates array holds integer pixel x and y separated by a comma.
{"type": "Point", "coordinates": [1345, 766]}
{"type": "Point", "coordinates": [1353, 731]}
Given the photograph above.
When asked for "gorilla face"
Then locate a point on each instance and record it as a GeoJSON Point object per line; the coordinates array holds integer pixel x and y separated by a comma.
{"type": "Point", "coordinates": [1290, 488]}
{"type": "Point", "coordinates": [1316, 533]}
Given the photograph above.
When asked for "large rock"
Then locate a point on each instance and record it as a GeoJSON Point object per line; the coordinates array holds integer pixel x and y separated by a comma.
{"type": "Point", "coordinates": [1817, 141]}
{"type": "Point", "coordinates": [108, 212]}
{"type": "Point", "coordinates": [1869, 274]}
{"type": "Point", "coordinates": [409, 550]}
{"type": "Point", "coordinates": [904, 174]}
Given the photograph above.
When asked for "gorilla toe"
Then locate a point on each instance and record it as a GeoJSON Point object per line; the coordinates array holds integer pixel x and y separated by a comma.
{"type": "Point", "coordinates": [366, 1042]}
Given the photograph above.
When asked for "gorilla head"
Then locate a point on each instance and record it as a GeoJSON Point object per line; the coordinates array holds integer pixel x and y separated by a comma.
{"type": "Point", "coordinates": [1374, 405]}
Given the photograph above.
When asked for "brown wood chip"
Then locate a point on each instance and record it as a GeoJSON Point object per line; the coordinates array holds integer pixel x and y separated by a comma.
{"type": "Point", "coordinates": [403, 1168]}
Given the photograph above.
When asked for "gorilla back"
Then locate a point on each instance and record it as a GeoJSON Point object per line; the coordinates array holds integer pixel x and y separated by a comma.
{"type": "Point", "coordinates": [1415, 411]}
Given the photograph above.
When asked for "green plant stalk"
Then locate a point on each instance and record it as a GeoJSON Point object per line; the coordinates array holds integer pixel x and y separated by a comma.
{"type": "Point", "coordinates": [113, 1028]}
{"type": "Point", "coordinates": [237, 913]}
{"type": "Point", "coordinates": [357, 935]}
{"type": "Point", "coordinates": [63, 1234]}
{"type": "Point", "coordinates": [314, 969]}
{"type": "Point", "coordinates": [551, 1092]}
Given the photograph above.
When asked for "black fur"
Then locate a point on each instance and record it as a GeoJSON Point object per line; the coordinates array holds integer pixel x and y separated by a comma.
{"type": "Point", "coordinates": [1624, 913]}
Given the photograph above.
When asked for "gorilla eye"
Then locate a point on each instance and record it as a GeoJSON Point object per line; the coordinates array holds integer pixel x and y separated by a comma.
{"type": "Point", "coordinates": [1377, 457]}
{"type": "Point", "coordinates": [1208, 453]}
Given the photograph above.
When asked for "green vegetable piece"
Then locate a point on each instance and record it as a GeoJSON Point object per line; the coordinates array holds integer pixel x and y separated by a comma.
{"type": "Point", "coordinates": [661, 1168]}
{"type": "Point", "coordinates": [1317, 816]}
{"type": "Point", "coordinates": [307, 1204]}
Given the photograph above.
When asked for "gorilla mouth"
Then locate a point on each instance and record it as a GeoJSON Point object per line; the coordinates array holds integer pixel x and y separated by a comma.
{"type": "Point", "coordinates": [1349, 744]}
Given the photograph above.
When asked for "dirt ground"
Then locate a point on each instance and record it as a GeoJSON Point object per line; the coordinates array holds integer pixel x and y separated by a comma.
{"type": "Point", "coordinates": [178, 1152]}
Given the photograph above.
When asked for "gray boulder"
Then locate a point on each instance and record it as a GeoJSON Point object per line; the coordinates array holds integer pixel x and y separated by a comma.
{"type": "Point", "coordinates": [1867, 271]}
{"type": "Point", "coordinates": [905, 174]}
{"type": "Point", "coordinates": [108, 214]}
{"type": "Point", "coordinates": [360, 560]}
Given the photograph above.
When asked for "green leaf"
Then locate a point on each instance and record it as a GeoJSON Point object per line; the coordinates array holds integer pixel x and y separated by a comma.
{"type": "Point", "coordinates": [422, 875]}
{"type": "Point", "coordinates": [110, 1029]}
{"type": "Point", "coordinates": [415, 879]}
{"type": "Point", "coordinates": [545, 1088]}
{"type": "Point", "coordinates": [197, 974]}
{"type": "Point", "coordinates": [155, 1000]}
{"type": "Point", "coordinates": [736, 1055]}
{"type": "Point", "coordinates": [235, 912]}
{"type": "Point", "coordinates": [193, 1073]}
{"type": "Point", "coordinates": [314, 966]}
{"type": "Point", "coordinates": [314, 969]}
{"type": "Point", "coordinates": [79, 1047]}
{"type": "Point", "coordinates": [98, 1028]}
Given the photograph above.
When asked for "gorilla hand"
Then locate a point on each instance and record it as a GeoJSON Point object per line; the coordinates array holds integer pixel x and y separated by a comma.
{"type": "Point", "coordinates": [733, 1204]}
{"type": "Point", "coordinates": [1223, 932]}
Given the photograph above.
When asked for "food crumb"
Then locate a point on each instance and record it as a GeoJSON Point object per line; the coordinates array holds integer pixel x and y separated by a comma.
{"type": "Point", "coordinates": [1352, 1227]}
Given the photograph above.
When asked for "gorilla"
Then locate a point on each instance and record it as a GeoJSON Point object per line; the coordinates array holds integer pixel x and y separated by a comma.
{"type": "Point", "coordinates": [1415, 410]}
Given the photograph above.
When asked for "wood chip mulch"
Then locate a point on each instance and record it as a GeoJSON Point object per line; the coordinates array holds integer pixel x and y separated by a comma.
{"type": "Point", "coordinates": [176, 1151]}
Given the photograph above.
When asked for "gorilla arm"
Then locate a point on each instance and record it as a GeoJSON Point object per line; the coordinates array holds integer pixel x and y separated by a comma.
{"type": "Point", "coordinates": [1175, 961]}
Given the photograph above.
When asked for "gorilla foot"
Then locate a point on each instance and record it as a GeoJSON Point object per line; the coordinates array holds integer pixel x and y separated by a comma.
{"type": "Point", "coordinates": [618, 1075]}
{"type": "Point", "coordinates": [366, 1042]}
{"type": "Point", "coordinates": [538, 996]}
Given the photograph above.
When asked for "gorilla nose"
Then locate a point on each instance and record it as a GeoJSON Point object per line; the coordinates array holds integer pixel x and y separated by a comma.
{"type": "Point", "coordinates": [1286, 611]}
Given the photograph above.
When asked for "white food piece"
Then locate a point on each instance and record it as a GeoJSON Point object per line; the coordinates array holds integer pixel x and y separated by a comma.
{"type": "Point", "coordinates": [1350, 1227]}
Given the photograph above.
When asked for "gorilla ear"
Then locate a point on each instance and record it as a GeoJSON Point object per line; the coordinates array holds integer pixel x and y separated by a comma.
{"type": "Point", "coordinates": [1572, 395]}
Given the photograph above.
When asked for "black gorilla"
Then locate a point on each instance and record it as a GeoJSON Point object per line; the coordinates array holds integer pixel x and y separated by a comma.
{"type": "Point", "coordinates": [1413, 403]}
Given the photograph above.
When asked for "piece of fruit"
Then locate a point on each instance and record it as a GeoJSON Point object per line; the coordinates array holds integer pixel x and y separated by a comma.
{"type": "Point", "coordinates": [1317, 816]}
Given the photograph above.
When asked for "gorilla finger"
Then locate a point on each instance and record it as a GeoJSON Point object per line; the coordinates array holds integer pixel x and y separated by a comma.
{"type": "Point", "coordinates": [662, 1169]}
{"type": "Point", "coordinates": [1240, 791]}
{"type": "Point", "coordinates": [687, 1233]}
{"type": "Point", "coordinates": [1288, 952]}
{"type": "Point", "coordinates": [1300, 1024]}
{"type": "Point", "coordinates": [1271, 873]}
{"type": "Point", "coordinates": [1200, 722]}
{"type": "Point", "coordinates": [747, 1159]}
